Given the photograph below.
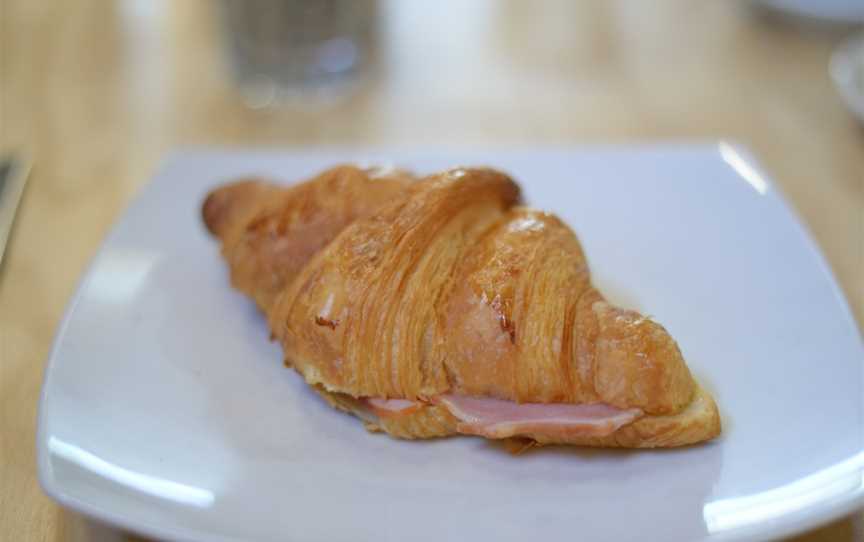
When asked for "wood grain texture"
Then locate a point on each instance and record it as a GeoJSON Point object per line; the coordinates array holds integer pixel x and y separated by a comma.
{"type": "Point", "coordinates": [100, 90]}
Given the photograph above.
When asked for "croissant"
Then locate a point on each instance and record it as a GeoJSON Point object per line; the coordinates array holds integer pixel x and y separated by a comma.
{"type": "Point", "coordinates": [440, 306]}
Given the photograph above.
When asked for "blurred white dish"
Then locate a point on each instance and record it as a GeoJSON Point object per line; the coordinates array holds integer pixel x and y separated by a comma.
{"type": "Point", "coordinates": [165, 409]}
{"type": "Point", "coordinates": [836, 11]}
{"type": "Point", "coordinates": [847, 71]}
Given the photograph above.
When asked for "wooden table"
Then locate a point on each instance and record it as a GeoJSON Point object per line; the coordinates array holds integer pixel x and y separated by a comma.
{"type": "Point", "coordinates": [99, 91]}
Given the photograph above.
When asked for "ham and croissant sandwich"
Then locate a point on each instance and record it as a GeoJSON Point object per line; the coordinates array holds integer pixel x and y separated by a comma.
{"type": "Point", "coordinates": [441, 306]}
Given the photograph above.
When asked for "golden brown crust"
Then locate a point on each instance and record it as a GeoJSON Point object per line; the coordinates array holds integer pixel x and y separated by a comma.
{"type": "Point", "coordinates": [451, 288]}
{"type": "Point", "coordinates": [269, 233]}
{"type": "Point", "coordinates": [639, 363]}
{"type": "Point", "coordinates": [399, 289]}
{"type": "Point", "coordinates": [511, 305]}
{"type": "Point", "coordinates": [379, 282]}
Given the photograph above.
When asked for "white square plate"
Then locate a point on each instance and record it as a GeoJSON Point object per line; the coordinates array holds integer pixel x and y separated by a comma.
{"type": "Point", "coordinates": [166, 410]}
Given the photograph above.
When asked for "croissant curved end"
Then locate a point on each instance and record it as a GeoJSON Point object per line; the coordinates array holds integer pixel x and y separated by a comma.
{"type": "Point", "coordinates": [222, 206]}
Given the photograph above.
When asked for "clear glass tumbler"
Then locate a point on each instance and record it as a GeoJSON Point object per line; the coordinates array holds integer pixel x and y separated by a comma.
{"type": "Point", "coordinates": [282, 50]}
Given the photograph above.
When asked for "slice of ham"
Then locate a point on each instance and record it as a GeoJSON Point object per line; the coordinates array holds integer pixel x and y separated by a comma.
{"type": "Point", "coordinates": [496, 418]}
{"type": "Point", "coordinates": [388, 408]}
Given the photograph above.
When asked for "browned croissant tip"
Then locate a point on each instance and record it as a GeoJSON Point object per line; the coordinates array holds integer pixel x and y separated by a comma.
{"type": "Point", "coordinates": [222, 204]}
{"type": "Point", "coordinates": [212, 211]}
